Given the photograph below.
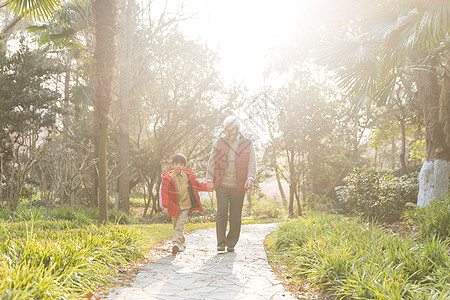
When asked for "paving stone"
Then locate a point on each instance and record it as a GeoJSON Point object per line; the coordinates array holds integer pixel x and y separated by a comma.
{"type": "Point", "coordinates": [203, 273]}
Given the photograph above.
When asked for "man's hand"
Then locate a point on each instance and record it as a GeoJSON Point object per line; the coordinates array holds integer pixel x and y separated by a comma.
{"type": "Point", "coordinates": [209, 186]}
{"type": "Point", "coordinates": [248, 184]}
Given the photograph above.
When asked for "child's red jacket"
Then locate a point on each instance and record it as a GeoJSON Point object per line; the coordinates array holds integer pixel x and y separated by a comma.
{"type": "Point", "coordinates": [168, 195]}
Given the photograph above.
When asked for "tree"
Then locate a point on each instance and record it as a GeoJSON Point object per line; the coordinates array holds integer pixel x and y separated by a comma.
{"type": "Point", "coordinates": [105, 31]}
{"type": "Point", "coordinates": [173, 111]}
{"type": "Point", "coordinates": [407, 35]}
{"type": "Point", "coordinates": [27, 115]}
{"type": "Point", "coordinates": [126, 63]}
{"type": "Point", "coordinates": [61, 37]}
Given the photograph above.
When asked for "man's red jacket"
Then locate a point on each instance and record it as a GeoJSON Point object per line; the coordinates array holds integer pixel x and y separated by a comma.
{"type": "Point", "coordinates": [168, 195]}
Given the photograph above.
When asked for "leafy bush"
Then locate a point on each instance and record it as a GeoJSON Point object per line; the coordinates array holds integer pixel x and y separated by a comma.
{"type": "Point", "coordinates": [207, 215]}
{"type": "Point", "coordinates": [432, 220]}
{"type": "Point", "coordinates": [265, 208]}
{"type": "Point", "coordinates": [377, 195]}
{"type": "Point", "coordinates": [119, 217]}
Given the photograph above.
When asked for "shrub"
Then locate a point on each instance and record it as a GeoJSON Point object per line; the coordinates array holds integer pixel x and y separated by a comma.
{"type": "Point", "coordinates": [207, 215]}
{"type": "Point", "coordinates": [119, 217]}
{"type": "Point", "coordinates": [377, 195]}
{"type": "Point", "coordinates": [63, 212]}
{"type": "Point", "coordinates": [432, 220]}
{"type": "Point", "coordinates": [265, 208]}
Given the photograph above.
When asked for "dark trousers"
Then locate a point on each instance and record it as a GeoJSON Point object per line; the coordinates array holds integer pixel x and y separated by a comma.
{"type": "Point", "coordinates": [229, 202]}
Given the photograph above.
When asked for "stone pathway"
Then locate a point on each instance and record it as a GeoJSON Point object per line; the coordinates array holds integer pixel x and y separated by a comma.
{"type": "Point", "coordinates": [203, 273]}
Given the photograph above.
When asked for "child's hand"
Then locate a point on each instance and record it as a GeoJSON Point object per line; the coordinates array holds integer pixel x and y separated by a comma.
{"type": "Point", "coordinates": [209, 186]}
{"type": "Point", "coordinates": [165, 210]}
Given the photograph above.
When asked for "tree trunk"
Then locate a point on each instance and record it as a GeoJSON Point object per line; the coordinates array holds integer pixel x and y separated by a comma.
{"type": "Point", "coordinates": [1, 181]}
{"type": "Point", "coordinates": [403, 151]}
{"type": "Point", "coordinates": [102, 190]}
{"type": "Point", "coordinates": [94, 196]}
{"type": "Point", "coordinates": [292, 174]}
{"type": "Point", "coordinates": [291, 200]}
{"type": "Point", "coordinates": [280, 188]}
{"type": "Point", "coordinates": [249, 196]}
{"type": "Point", "coordinates": [297, 198]}
{"type": "Point", "coordinates": [149, 190]}
{"type": "Point", "coordinates": [433, 178]}
{"type": "Point", "coordinates": [66, 169]}
{"type": "Point", "coordinates": [126, 48]}
{"type": "Point", "coordinates": [7, 30]}
{"type": "Point", "coordinates": [104, 56]}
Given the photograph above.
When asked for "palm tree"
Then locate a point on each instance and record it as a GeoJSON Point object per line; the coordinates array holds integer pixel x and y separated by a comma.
{"type": "Point", "coordinates": [406, 36]}
{"type": "Point", "coordinates": [105, 12]}
{"type": "Point", "coordinates": [125, 82]}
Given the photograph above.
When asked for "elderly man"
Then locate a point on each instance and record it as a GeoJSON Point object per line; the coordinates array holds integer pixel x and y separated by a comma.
{"type": "Point", "coordinates": [231, 171]}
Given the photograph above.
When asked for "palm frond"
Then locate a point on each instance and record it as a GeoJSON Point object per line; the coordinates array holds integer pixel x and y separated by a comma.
{"type": "Point", "coordinates": [380, 23]}
{"type": "Point", "coordinates": [34, 9]}
{"type": "Point", "coordinates": [401, 40]}
{"type": "Point", "coordinates": [434, 25]}
{"type": "Point", "coordinates": [358, 50]}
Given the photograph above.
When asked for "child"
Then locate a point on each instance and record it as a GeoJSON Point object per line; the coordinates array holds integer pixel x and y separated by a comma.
{"type": "Point", "coordinates": [178, 196]}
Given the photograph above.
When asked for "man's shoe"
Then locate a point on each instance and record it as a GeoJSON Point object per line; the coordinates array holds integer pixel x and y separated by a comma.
{"type": "Point", "coordinates": [175, 249]}
{"type": "Point", "coordinates": [220, 248]}
{"type": "Point", "coordinates": [230, 249]}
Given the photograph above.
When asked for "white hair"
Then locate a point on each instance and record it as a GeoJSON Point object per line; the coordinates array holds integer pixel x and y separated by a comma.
{"type": "Point", "coordinates": [231, 121]}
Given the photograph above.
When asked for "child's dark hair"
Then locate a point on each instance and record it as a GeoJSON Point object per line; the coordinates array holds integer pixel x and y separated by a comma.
{"type": "Point", "coordinates": [179, 158]}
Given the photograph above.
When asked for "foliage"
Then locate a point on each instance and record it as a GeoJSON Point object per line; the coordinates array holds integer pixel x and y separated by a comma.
{"type": "Point", "coordinates": [28, 113]}
{"type": "Point", "coordinates": [432, 220]}
{"type": "Point", "coordinates": [207, 215]}
{"type": "Point", "coordinates": [46, 259]}
{"type": "Point", "coordinates": [266, 208]}
{"type": "Point", "coordinates": [377, 195]}
{"type": "Point", "coordinates": [26, 103]}
{"type": "Point", "coordinates": [33, 9]}
{"type": "Point", "coordinates": [80, 215]}
{"type": "Point", "coordinates": [58, 260]}
{"type": "Point", "coordinates": [359, 261]}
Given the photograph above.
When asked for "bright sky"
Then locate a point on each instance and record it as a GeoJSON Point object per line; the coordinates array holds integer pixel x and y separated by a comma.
{"type": "Point", "coordinates": [242, 31]}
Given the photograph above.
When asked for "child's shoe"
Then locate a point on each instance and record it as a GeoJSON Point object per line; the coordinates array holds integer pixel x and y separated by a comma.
{"type": "Point", "coordinates": [182, 248]}
{"type": "Point", "coordinates": [175, 249]}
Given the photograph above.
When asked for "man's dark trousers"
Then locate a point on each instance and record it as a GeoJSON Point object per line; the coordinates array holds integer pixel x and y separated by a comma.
{"type": "Point", "coordinates": [232, 200]}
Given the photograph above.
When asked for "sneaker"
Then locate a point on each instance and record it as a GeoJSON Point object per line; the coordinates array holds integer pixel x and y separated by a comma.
{"type": "Point", "coordinates": [221, 248]}
{"type": "Point", "coordinates": [175, 249]}
{"type": "Point", "coordinates": [181, 248]}
{"type": "Point", "coordinates": [230, 249]}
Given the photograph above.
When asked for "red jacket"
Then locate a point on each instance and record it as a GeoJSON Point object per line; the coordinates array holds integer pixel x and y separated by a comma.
{"type": "Point", "coordinates": [168, 195]}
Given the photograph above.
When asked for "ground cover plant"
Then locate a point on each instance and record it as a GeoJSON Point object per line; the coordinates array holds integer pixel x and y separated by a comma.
{"type": "Point", "coordinates": [433, 219]}
{"type": "Point", "coordinates": [59, 260]}
{"type": "Point", "coordinates": [355, 260]}
{"type": "Point", "coordinates": [43, 257]}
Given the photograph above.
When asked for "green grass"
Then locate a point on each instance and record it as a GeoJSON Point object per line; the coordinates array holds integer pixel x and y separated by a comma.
{"type": "Point", "coordinates": [65, 260]}
{"type": "Point", "coordinates": [432, 220]}
{"type": "Point", "coordinates": [63, 254]}
{"type": "Point", "coordinates": [355, 260]}
{"type": "Point", "coordinates": [58, 260]}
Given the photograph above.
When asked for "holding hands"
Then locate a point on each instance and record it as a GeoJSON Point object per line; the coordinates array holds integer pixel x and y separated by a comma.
{"type": "Point", "coordinates": [209, 186]}
{"type": "Point", "coordinates": [248, 184]}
